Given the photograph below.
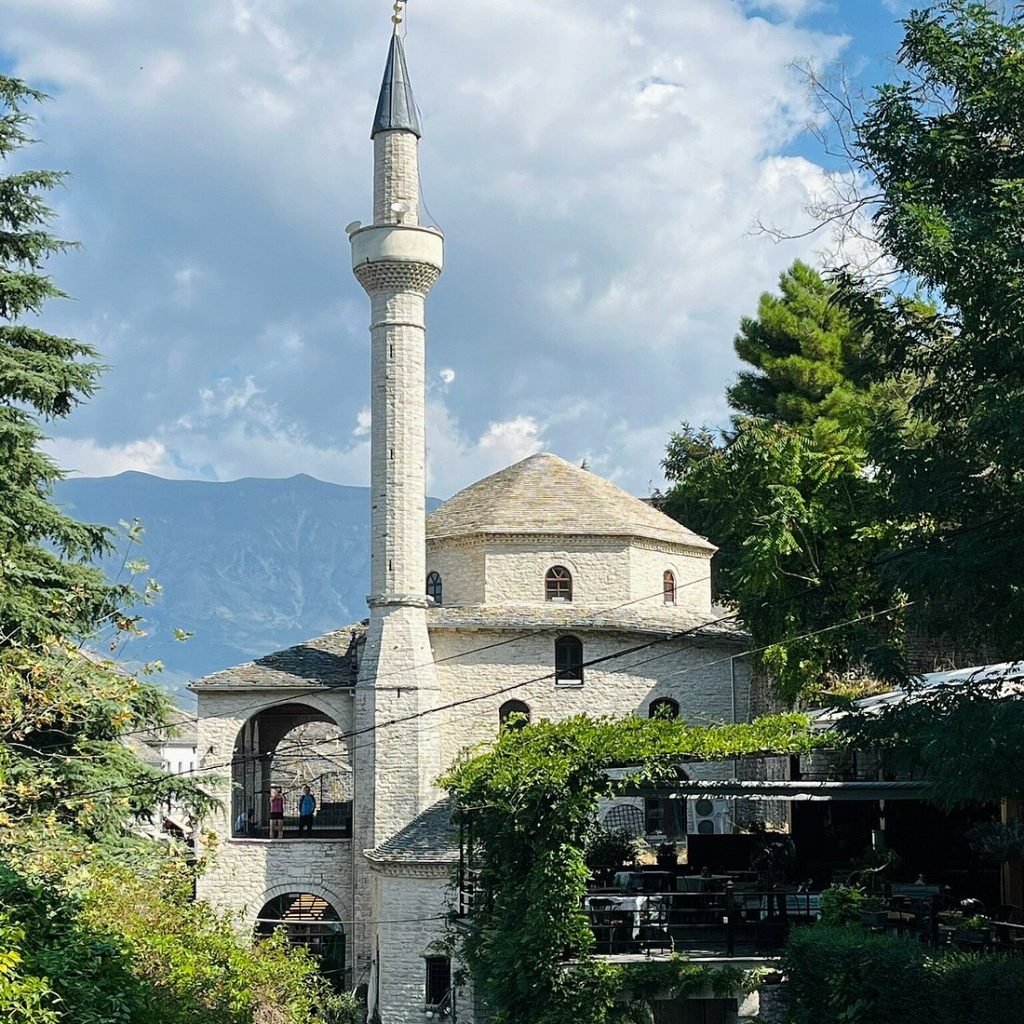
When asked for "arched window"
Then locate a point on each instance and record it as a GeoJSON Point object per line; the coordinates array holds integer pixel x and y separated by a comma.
{"type": "Point", "coordinates": [514, 707]}
{"type": "Point", "coordinates": [568, 660]}
{"type": "Point", "coordinates": [558, 584]}
{"type": "Point", "coordinates": [663, 707]}
{"type": "Point", "coordinates": [434, 587]}
{"type": "Point", "coordinates": [668, 586]}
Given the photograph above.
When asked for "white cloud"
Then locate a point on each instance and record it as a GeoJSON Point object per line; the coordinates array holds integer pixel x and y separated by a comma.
{"type": "Point", "coordinates": [363, 421]}
{"type": "Point", "coordinates": [597, 168]}
{"type": "Point", "coordinates": [84, 456]}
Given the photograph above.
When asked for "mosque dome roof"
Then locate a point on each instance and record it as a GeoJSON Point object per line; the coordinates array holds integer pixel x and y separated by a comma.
{"type": "Point", "coordinates": [544, 494]}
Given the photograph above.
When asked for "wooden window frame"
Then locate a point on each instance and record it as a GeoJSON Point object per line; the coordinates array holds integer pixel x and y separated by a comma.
{"type": "Point", "coordinates": [558, 584]}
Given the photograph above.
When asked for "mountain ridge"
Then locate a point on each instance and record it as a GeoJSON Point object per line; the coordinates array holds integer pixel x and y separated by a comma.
{"type": "Point", "coordinates": [247, 566]}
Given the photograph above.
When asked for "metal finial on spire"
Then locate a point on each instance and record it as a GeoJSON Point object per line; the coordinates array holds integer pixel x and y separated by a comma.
{"type": "Point", "coordinates": [397, 18]}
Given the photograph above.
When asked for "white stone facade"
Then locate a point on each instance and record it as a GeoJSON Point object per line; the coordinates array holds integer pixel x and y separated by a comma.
{"type": "Point", "coordinates": [421, 683]}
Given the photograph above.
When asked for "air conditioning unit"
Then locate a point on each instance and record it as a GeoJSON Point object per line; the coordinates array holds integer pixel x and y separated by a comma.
{"type": "Point", "coordinates": [710, 817]}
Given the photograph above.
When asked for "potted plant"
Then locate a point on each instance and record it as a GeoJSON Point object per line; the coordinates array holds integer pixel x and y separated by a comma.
{"type": "Point", "coordinates": [667, 856]}
{"type": "Point", "coordinates": [976, 930]}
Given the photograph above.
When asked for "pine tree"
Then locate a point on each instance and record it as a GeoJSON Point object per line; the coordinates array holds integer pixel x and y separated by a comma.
{"type": "Point", "coordinates": [47, 586]}
{"type": "Point", "coordinates": [805, 349]}
{"type": "Point", "coordinates": [65, 775]}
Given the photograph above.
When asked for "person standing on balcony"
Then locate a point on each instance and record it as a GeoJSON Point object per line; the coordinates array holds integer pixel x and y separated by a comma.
{"type": "Point", "coordinates": [307, 806]}
{"type": "Point", "coordinates": [276, 814]}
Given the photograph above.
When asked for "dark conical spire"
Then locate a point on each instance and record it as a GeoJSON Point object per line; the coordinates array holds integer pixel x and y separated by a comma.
{"type": "Point", "coordinates": [396, 109]}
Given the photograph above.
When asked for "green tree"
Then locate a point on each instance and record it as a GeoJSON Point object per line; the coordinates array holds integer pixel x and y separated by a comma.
{"type": "Point", "coordinates": [794, 513]}
{"type": "Point", "coordinates": [62, 712]}
{"type": "Point", "coordinates": [806, 351]}
{"type": "Point", "coordinates": [787, 494]}
{"type": "Point", "coordinates": [47, 586]}
{"type": "Point", "coordinates": [96, 923]}
{"type": "Point", "coordinates": [945, 148]}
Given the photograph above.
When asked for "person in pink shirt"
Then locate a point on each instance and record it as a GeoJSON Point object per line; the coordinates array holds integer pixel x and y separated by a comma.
{"type": "Point", "coordinates": [276, 814]}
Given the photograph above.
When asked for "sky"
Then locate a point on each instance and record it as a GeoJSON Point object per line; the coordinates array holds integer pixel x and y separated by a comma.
{"type": "Point", "coordinates": [598, 168]}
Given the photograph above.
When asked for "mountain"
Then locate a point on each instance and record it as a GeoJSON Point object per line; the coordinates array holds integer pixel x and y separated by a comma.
{"type": "Point", "coordinates": [247, 567]}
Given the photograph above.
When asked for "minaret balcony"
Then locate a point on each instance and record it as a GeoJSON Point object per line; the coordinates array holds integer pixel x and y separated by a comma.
{"type": "Point", "coordinates": [397, 243]}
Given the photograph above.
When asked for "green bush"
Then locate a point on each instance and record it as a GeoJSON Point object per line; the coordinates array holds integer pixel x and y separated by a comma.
{"type": "Point", "coordinates": [842, 904]}
{"type": "Point", "coordinates": [846, 975]}
{"type": "Point", "coordinates": [131, 950]}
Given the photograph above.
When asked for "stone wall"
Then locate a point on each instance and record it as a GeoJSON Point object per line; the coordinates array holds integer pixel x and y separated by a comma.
{"type": "Point", "coordinates": [647, 565]}
{"type": "Point", "coordinates": [461, 565]}
{"type": "Point", "coordinates": [694, 672]}
{"type": "Point", "coordinates": [516, 572]}
{"type": "Point", "coordinates": [410, 902]}
{"type": "Point", "coordinates": [607, 571]}
{"type": "Point", "coordinates": [244, 874]}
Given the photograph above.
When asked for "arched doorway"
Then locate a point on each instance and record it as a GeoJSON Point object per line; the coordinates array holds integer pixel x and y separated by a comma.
{"type": "Point", "coordinates": [291, 747]}
{"type": "Point", "coordinates": [307, 920]}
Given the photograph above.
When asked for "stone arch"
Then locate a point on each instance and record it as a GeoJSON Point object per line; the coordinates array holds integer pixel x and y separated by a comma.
{"type": "Point", "coordinates": [514, 707]}
{"type": "Point", "coordinates": [317, 756]}
{"type": "Point", "coordinates": [304, 884]}
{"type": "Point", "coordinates": [314, 918]}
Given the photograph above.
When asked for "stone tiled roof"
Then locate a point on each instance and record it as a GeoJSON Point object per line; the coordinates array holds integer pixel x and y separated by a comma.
{"type": "Point", "coordinates": [430, 838]}
{"type": "Point", "coordinates": [580, 617]}
{"type": "Point", "coordinates": [328, 660]}
{"type": "Point", "coordinates": [545, 494]}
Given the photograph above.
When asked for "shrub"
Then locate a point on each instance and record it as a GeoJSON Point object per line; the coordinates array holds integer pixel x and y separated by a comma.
{"type": "Point", "coordinates": [846, 975]}
{"type": "Point", "coordinates": [841, 904]}
{"type": "Point", "coordinates": [136, 950]}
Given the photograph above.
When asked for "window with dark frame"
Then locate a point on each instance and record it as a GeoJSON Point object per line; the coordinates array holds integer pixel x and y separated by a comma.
{"type": "Point", "coordinates": [514, 707]}
{"type": "Point", "coordinates": [668, 586]}
{"type": "Point", "coordinates": [663, 707]}
{"type": "Point", "coordinates": [439, 979]}
{"type": "Point", "coordinates": [568, 660]}
{"type": "Point", "coordinates": [665, 817]}
{"type": "Point", "coordinates": [434, 587]}
{"type": "Point", "coordinates": [558, 584]}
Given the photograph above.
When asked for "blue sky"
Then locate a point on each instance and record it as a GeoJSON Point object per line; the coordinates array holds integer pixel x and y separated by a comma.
{"type": "Point", "coordinates": [597, 168]}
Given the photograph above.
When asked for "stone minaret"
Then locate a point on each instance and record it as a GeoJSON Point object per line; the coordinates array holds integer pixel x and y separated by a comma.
{"type": "Point", "coordinates": [397, 261]}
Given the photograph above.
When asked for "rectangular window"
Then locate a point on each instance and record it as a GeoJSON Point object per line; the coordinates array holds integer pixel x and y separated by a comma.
{"type": "Point", "coordinates": [439, 979]}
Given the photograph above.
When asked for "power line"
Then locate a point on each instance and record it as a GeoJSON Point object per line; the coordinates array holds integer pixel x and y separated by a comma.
{"type": "Point", "coordinates": [241, 759]}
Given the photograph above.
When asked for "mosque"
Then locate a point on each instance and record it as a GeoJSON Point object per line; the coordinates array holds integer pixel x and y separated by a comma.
{"type": "Point", "coordinates": [535, 592]}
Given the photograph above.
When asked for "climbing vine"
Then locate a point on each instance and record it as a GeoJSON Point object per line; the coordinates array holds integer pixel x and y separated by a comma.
{"type": "Point", "coordinates": [529, 803]}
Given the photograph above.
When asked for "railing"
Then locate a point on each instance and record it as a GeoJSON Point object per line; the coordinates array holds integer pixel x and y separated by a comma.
{"type": "Point", "coordinates": [332, 816]}
{"type": "Point", "coordinates": [730, 921]}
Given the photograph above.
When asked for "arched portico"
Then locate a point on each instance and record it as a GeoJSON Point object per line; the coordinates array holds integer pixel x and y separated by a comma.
{"type": "Point", "coordinates": [291, 747]}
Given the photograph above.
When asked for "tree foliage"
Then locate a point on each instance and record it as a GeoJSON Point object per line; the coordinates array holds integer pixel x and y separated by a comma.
{"type": "Point", "coordinates": [788, 497]}
{"type": "Point", "coordinates": [794, 514]}
{"type": "Point", "coordinates": [945, 146]}
{"type": "Point", "coordinates": [137, 950]}
{"type": "Point", "coordinates": [806, 352]}
{"type": "Point", "coordinates": [47, 586]}
{"type": "Point", "coordinates": [530, 805]}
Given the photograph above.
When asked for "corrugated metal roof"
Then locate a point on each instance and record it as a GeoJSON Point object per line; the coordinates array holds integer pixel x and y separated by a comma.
{"type": "Point", "coordinates": [396, 108]}
{"type": "Point", "coordinates": [1004, 679]}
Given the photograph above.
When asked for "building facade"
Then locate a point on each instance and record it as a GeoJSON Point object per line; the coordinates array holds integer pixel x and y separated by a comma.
{"type": "Point", "coordinates": [542, 591]}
